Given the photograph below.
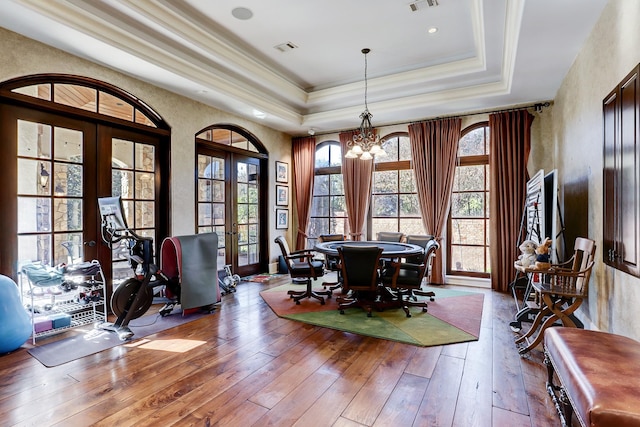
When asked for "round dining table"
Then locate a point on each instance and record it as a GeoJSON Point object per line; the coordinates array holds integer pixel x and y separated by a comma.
{"type": "Point", "coordinates": [389, 249]}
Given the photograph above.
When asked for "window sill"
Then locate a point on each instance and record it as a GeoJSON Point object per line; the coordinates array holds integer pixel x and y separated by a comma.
{"type": "Point", "coordinates": [468, 281]}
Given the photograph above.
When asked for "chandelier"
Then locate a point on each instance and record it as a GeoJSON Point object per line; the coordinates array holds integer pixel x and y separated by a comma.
{"type": "Point", "coordinates": [365, 144]}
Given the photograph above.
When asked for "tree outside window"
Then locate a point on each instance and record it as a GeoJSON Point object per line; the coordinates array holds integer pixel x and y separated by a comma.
{"type": "Point", "coordinates": [394, 197]}
{"type": "Point", "coordinates": [328, 209]}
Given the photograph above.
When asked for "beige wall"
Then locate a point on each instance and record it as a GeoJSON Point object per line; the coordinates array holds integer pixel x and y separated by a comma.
{"type": "Point", "coordinates": [610, 53]}
{"type": "Point", "coordinates": [22, 56]}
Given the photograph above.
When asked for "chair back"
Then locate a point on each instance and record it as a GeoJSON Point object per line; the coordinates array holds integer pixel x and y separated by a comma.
{"type": "Point", "coordinates": [430, 254]}
{"type": "Point", "coordinates": [584, 251]}
{"type": "Point", "coordinates": [390, 236]}
{"type": "Point", "coordinates": [284, 248]}
{"type": "Point", "coordinates": [332, 262]}
{"type": "Point", "coordinates": [331, 238]}
{"type": "Point", "coordinates": [360, 266]}
{"type": "Point", "coordinates": [420, 240]}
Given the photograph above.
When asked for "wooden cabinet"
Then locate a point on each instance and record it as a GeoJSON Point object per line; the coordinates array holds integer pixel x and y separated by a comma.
{"type": "Point", "coordinates": [621, 174]}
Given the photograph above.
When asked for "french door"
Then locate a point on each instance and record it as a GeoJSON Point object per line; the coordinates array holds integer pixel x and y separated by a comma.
{"type": "Point", "coordinates": [230, 203]}
{"type": "Point", "coordinates": [54, 168]}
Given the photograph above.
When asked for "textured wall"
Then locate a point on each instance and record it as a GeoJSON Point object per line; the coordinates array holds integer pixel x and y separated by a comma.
{"type": "Point", "coordinates": [609, 55]}
{"type": "Point", "coordinates": [22, 56]}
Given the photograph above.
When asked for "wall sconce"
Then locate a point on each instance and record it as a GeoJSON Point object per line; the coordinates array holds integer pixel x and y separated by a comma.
{"type": "Point", "coordinates": [44, 176]}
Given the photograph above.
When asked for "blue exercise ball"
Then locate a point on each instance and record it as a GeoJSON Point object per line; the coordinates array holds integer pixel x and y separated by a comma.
{"type": "Point", "coordinates": [15, 323]}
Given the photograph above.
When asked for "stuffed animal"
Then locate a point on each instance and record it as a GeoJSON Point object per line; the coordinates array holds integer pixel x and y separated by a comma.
{"type": "Point", "coordinates": [528, 256]}
{"type": "Point", "coordinates": [542, 258]}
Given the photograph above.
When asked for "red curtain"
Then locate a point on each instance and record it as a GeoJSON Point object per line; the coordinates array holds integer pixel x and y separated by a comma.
{"type": "Point", "coordinates": [304, 158]}
{"type": "Point", "coordinates": [356, 175]}
{"type": "Point", "coordinates": [509, 145]}
{"type": "Point", "coordinates": [434, 146]}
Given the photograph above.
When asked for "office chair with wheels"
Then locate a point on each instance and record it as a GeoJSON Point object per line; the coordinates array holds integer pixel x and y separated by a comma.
{"type": "Point", "coordinates": [302, 269]}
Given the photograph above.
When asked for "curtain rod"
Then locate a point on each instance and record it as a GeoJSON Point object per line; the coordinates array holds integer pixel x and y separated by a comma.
{"type": "Point", "coordinates": [538, 106]}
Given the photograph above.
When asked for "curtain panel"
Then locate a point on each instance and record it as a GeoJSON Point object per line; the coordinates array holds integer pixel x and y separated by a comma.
{"type": "Point", "coordinates": [434, 147]}
{"type": "Point", "coordinates": [356, 176]}
{"type": "Point", "coordinates": [509, 144]}
{"type": "Point", "coordinates": [304, 159]}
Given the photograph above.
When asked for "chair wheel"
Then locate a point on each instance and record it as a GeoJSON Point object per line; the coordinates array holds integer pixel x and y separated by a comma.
{"type": "Point", "coordinates": [432, 299]}
{"type": "Point", "coordinates": [408, 314]}
{"type": "Point", "coordinates": [424, 309]}
{"type": "Point", "coordinates": [341, 311]}
{"type": "Point", "coordinates": [298, 302]}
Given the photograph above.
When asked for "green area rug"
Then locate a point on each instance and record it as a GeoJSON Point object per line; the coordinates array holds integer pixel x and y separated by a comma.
{"type": "Point", "coordinates": [454, 317]}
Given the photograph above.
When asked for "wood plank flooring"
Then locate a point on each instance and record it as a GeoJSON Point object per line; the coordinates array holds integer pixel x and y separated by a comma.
{"type": "Point", "coordinates": [245, 366]}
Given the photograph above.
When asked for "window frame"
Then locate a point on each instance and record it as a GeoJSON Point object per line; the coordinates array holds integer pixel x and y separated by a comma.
{"type": "Point", "coordinates": [387, 166]}
{"type": "Point", "coordinates": [326, 170]}
{"type": "Point", "coordinates": [472, 160]}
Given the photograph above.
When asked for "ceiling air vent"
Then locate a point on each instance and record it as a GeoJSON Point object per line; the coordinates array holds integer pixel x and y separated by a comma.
{"type": "Point", "coordinates": [286, 47]}
{"type": "Point", "coordinates": [422, 4]}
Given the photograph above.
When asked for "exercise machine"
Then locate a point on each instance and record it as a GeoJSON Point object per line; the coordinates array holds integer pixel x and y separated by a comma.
{"type": "Point", "coordinates": [133, 297]}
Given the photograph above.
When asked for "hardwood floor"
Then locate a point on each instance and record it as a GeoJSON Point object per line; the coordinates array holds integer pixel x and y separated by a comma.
{"type": "Point", "coordinates": [245, 366]}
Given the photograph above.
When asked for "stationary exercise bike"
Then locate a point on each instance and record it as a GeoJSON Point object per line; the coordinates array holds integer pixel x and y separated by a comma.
{"type": "Point", "coordinates": [133, 297]}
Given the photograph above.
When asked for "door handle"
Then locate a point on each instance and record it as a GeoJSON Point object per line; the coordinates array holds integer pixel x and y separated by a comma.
{"type": "Point", "coordinates": [90, 243]}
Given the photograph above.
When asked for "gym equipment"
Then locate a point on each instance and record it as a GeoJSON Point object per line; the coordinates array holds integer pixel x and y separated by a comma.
{"type": "Point", "coordinates": [15, 322]}
{"type": "Point", "coordinates": [227, 280]}
{"type": "Point", "coordinates": [133, 297]}
{"type": "Point", "coordinates": [188, 274]}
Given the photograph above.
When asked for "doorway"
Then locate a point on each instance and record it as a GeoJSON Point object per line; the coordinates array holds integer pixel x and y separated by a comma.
{"type": "Point", "coordinates": [63, 139]}
{"type": "Point", "coordinates": [231, 197]}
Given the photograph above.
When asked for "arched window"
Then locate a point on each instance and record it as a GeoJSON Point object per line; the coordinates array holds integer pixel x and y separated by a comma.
{"type": "Point", "coordinates": [394, 197]}
{"type": "Point", "coordinates": [328, 209]}
{"type": "Point", "coordinates": [468, 225]}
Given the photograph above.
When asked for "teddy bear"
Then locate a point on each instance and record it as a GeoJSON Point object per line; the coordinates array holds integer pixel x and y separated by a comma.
{"type": "Point", "coordinates": [542, 258]}
{"type": "Point", "coordinates": [528, 256]}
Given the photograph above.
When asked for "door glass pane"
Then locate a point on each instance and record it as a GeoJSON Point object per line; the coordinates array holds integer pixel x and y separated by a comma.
{"type": "Point", "coordinates": [67, 180]}
{"type": "Point", "coordinates": [133, 178]}
{"type": "Point", "coordinates": [67, 214]}
{"type": "Point", "coordinates": [67, 145]}
{"type": "Point", "coordinates": [34, 140]}
{"type": "Point", "coordinates": [49, 158]}
{"type": "Point", "coordinates": [247, 202]}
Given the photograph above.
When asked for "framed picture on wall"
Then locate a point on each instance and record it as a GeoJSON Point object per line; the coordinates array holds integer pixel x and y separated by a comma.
{"type": "Point", "coordinates": [282, 219]}
{"type": "Point", "coordinates": [282, 195]}
{"type": "Point", "coordinates": [282, 172]}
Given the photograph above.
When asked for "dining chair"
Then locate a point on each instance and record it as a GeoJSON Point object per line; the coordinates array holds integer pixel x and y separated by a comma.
{"type": "Point", "coordinates": [420, 240]}
{"type": "Point", "coordinates": [332, 263]}
{"type": "Point", "coordinates": [406, 278]}
{"type": "Point", "coordinates": [302, 269]}
{"type": "Point", "coordinates": [359, 266]}
{"type": "Point", "coordinates": [390, 236]}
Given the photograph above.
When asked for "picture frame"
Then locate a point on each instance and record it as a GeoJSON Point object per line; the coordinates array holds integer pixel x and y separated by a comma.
{"type": "Point", "coordinates": [282, 172]}
{"type": "Point", "coordinates": [282, 219]}
{"type": "Point", "coordinates": [282, 195]}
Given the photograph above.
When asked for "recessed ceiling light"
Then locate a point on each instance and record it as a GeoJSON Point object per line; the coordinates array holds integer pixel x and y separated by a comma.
{"type": "Point", "coordinates": [432, 30]}
{"type": "Point", "coordinates": [242, 13]}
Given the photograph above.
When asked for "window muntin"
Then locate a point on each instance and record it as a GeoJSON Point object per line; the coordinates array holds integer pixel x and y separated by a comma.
{"type": "Point", "coordinates": [468, 224]}
{"type": "Point", "coordinates": [394, 196]}
{"type": "Point", "coordinates": [228, 137]}
{"type": "Point", "coordinates": [88, 99]}
{"type": "Point", "coordinates": [328, 207]}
